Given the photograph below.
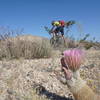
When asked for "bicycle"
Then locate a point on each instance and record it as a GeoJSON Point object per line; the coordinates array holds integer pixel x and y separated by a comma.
{"type": "Point", "coordinates": [57, 40]}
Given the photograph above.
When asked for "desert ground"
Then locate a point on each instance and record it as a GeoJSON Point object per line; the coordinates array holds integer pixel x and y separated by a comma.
{"type": "Point", "coordinates": [34, 79]}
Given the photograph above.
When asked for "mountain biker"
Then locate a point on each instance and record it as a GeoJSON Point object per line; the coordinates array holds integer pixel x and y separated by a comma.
{"type": "Point", "coordinates": [58, 27]}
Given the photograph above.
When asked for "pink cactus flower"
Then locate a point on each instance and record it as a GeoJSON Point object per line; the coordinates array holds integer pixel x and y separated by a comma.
{"type": "Point", "coordinates": [74, 58]}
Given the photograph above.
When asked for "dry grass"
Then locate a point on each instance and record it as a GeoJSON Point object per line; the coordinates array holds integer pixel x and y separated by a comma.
{"type": "Point", "coordinates": [70, 43]}
{"type": "Point", "coordinates": [22, 47]}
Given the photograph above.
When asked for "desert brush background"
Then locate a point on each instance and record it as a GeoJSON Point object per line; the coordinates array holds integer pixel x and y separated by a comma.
{"type": "Point", "coordinates": [30, 68]}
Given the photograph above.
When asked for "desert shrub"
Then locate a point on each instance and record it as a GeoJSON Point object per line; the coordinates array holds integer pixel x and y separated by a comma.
{"type": "Point", "coordinates": [37, 49]}
{"type": "Point", "coordinates": [16, 48]}
{"type": "Point", "coordinates": [70, 43]}
{"type": "Point", "coordinates": [14, 45]}
{"type": "Point", "coordinates": [84, 38]}
{"type": "Point", "coordinates": [87, 44]}
{"type": "Point", "coordinates": [6, 32]}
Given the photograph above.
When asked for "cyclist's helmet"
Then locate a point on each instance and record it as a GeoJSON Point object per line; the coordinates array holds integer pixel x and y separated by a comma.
{"type": "Point", "coordinates": [56, 23]}
{"type": "Point", "coordinates": [62, 22]}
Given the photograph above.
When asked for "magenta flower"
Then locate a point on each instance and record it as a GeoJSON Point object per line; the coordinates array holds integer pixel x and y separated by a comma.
{"type": "Point", "coordinates": [74, 58]}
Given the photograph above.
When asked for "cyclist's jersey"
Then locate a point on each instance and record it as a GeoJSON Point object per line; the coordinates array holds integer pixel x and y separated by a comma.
{"type": "Point", "coordinates": [56, 23]}
{"type": "Point", "coordinates": [62, 23]}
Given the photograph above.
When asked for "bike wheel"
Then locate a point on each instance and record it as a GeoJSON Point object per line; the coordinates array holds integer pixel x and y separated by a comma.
{"type": "Point", "coordinates": [57, 41]}
{"type": "Point", "coordinates": [53, 41]}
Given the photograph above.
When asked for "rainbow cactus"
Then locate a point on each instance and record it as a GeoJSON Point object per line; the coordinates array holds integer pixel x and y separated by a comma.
{"type": "Point", "coordinates": [74, 58]}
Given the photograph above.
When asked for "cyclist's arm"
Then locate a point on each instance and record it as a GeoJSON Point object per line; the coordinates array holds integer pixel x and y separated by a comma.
{"type": "Point", "coordinates": [52, 28]}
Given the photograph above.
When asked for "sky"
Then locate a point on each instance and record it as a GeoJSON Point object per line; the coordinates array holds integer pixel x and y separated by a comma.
{"type": "Point", "coordinates": [33, 15]}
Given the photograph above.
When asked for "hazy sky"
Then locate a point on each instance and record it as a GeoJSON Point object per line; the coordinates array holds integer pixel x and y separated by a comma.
{"type": "Point", "coordinates": [33, 15]}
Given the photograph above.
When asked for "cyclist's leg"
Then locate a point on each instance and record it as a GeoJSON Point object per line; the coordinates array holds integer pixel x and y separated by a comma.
{"type": "Point", "coordinates": [57, 30]}
{"type": "Point", "coordinates": [63, 37]}
{"type": "Point", "coordinates": [62, 33]}
{"type": "Point", "coordinates": [56, 37]}
{"type": "Point", "coordinates": [53, 33]}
